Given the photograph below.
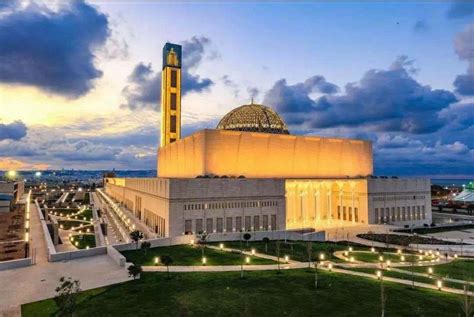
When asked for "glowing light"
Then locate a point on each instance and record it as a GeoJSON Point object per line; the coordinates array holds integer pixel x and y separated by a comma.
{"type": "Point", "coordinates": [87, 247]}
{"type": "Point", "coordinates": [402, 258]}
{"type": "Point", "coordinates": [221, 246]}
{"type": "Point", "coordinates": [253, 252]}
{"type": "Point", "coordinates": [399, 251]}
{"type": "Point", "coordinates": [330, 266]}
{"type": "Point", "coordinates": [157, 260]}
{"type": "Point", "coordinates": [372, 249]}
{"type": "Point", "coordinates": [388, 262]}
{"type": "Point", "coordinates": [247, 259]}
{"type": "Point", "coordinates": [439, 284]}
{"type": "Point", "coordinates": [381, 258]}
{"type": "Point", "coordinates": [204, 260]}
{"type": "Point", "coordinates": [11, 174]}
{"type": "Point", "coordinates": [430, 270]}
{"type": "Point", "coordinates": [287, 258]}
{"type": "Point", "coordinates": [351, 259]}
{"type": "Point", "coordinates": [27, 236]}
{"type": "Point", "coordinates": [455, 256]}
{"type": "Point", "coordinates": [321, 256]}
{"type": "Point", "coordinates": [38, 174]}
{"type": "Point", "coordinates": [379, 274]}
{"type": "Point", "coordinates": [192, 242]}
{"type": "Point", "coordinates": [350, 249]}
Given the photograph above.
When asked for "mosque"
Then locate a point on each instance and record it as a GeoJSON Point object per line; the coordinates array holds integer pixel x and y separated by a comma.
{"type": "Point", "coordinates": [251, 174]}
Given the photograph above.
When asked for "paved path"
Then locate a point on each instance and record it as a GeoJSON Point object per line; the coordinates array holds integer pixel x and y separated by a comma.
{"type": "Point", "coordinates": [37, 282]}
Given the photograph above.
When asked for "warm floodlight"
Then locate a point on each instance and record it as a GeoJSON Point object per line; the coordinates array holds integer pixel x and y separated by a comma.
{"type": "Point", "coordinates": [287, 258]}
{"type": "Point", "coordinates": [379, 274]}
{"type": "Point", "coordinates": [372, 249]}
{"type": "Point", "coordinates": [247, 259]}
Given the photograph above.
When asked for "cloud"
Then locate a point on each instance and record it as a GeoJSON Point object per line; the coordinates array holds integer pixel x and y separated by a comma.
{"type": "Point", "coordinates": [383, 100]}
{"type": "Point", "coordinates": [13, 131]}
{"type": "Point", "coordinates": [420, 26]}
{"type": "Point", "coordinates": [253, 92]}
{"type": "Point", "coordinates": [291, 99]}
{"type": "Point", "coordinates": [8, 163]}
{"type": "Point", "coordinates": [464, 48]}
{"type": "Point", "coordinates": [143, 90]}
{"type": "Point", "coordinates": [460, 9]}
{"type": "Point", "coordinates": [52, 50]}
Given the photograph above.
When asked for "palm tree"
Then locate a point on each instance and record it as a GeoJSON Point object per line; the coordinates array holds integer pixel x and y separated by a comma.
{"type": "Point", "coordinates": [134, 270]}
{"type": "Point", "coordinates": [202, 239]}
{"type": "Point", "coordinates": [167, 260]}
{"type": "Point", "coordinates": [136, 236]}
{"type": "Point", "coordinates": [247, 237]}
{"type": "Point", "coordinates": [266, 241]}
{"type": "Point", "coordinates": [309, 250]}
{"type": "Point", "coordinates": [145, 246]}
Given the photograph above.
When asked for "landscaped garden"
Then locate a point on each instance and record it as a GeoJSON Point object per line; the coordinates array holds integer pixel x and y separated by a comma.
{"type": "Point", "coordinates": [261, 293]}
{"type": "Point", "coordinates": [375, 257]}
{"type": "Point", "coordinates": [83, 241]}
{"type": "Point", "coordinates": [457, 269]}
{"type": "Point", "coordinates": [295, 250]}
{"type": "Point", "coordinates": [190, 255]}
{"type": "Point", "coordinates": [403, 240]}
{"type": "Point", "coordinates": [68, 224]}
{"type": "Point", "coordinates": [438, 229]}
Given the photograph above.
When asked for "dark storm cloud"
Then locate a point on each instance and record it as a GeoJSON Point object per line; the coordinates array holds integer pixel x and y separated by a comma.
{"type": "Point", "coordinates": [464, 48]}
{"type": "Point", "coordinates": [461, 9]}
{"type": "Point", "coordinates": [13, 131]}
{"type": "Point", "coordinates": [144, 84]}
{"type": "Point", "coordinates": [53, 51]}
{"type": "Point", "coordinates": [383, 100]}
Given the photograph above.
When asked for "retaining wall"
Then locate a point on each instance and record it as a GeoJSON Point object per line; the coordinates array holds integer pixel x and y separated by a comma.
{"type": "Point", "coordinates": [15, 264]}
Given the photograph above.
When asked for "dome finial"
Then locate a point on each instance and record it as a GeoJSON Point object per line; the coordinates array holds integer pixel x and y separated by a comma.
{"type": "Point", "coordinates": [251, 101]}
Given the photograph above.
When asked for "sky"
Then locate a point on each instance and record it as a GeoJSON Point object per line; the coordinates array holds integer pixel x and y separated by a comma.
{"type": "Point", "coordinates": [80, 80]}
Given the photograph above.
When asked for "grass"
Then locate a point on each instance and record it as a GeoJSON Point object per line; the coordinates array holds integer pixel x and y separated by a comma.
{"type": "Point", "coordinates": [88, 240]}
{"type": "Point", "coordinates": [296, 250]}
{"type": "Point", "coordinates": [261, 293]}
{"type": "Point", "coordinates": [188, 255]}
{"type": "Point", "coordinates": [68, 224]}
{"type": "Point", "coordinates": [407, 276]}
{"type": "Point", "coordinates": [458, 269]}
{"type": "Point", "coordinates": [374, 257]}
{"type": "Point", "coordinates": [84, 229]}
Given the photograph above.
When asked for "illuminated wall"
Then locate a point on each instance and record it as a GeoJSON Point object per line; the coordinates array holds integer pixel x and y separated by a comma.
{"type": "Point", "coordinates": [326, 203]}
{"type": "Point", "coordinates": [263, 155]}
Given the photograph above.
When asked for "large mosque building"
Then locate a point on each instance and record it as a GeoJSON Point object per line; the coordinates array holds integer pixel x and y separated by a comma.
{"type": "Point", "coordinates": [251, 174]}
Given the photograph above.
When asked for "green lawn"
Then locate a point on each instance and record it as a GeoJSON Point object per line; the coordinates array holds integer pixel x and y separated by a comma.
{"type": "Point", "coordinates": [188, 255]}
{"type": "Point", "coordinates": [296, 250]}
{"type": "Point", "coordinates": [458, 269]}
{"type": "Point", "coordinates": [261, 293]}
{"type": "Point", "coordinates": [374, 257]}
{"type": "Point", "coordinates": [68, 224]}
{"type": "Point", "coordinates": [407, 276]}
{"type": "Point", "coordinates": [84, 229]}
{"type": "Point", "coordinates": [88, 240]}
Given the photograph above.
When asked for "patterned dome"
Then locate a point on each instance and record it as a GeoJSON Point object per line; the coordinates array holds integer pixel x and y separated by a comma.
{"type": "Point", "coordinates": [253, 118]}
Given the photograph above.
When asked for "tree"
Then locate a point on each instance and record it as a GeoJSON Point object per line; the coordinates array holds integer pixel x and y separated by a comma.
{"type": "Point", "coordinates": [316, 262]}
{"type": "Point", "coordinates": [202, 239]}
{"type": "Point", "coordinates": [136, 236]}
{"type": "Point", "coordinates": [266, 241]}
{"type": "Point", "coordinates": [383, 296]}
{"type": "Point", "coordinates": [66, 296]}
{"type": "Point", "coordinates": [134, 270]}
{"type": "Point", "coordinates": [167, 260]}
{"type": "Point", "coordinates": [309, 251]}
{"type": "Point", "coordinates": [145, 246]}
{"type": "Point", "coordinates": [247, 237]}
{"type": "Point", "coordinates": [277, 249]}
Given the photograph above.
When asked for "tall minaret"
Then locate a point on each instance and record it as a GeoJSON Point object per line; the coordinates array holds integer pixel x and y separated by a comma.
{"type": "Point", "coordinates": [171, 94]}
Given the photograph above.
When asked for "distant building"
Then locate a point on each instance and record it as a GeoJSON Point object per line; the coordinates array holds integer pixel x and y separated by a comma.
{"type": "Point", "coordinates": [251, 174]}
{"type": "Point", "coordinates": [10, 193]}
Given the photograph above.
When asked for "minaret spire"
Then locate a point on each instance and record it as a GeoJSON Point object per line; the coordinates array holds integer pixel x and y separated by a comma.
{"type": "Point", "coordinates": [171, 94]}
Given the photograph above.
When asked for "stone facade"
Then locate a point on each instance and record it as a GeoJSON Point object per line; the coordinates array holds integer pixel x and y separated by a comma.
{"type": "Point", "coordinates": [264, 155]}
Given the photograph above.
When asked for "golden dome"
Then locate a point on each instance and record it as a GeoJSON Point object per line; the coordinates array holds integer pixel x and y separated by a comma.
{"type": "Point", "coordinates": [253, 118]}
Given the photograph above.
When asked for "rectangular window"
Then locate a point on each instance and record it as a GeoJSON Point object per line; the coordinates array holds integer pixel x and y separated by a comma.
{"type": "Point", "coordinates": [256, 223]}
{"type": "Point", "coordinates": [265, 222]}
{"type": "Point", "coordinates": [274, 222]}
{"type": "Point", "coordinates": [198, 225]}
{"type": "Point", "coordinates": [173, 101]}
{"type": "Point", "coordinates": [377, 218]}
{"type": "Point", "coordinates": [174, 78]}
{"type": "Point", "coordinates": [228, 224]}
{"type": "Point", "coordinates": [238, 223]}
{"type": "Point", "coordinates": [188, 225]}
{"type": "Point", "coordinates": [248, 224]}
{"type": "Point", "coordinates": [209, 225]}
{"type": "Point", "coordinates": [356, 214]}
{"type": "Point", "coordinates": [173, 124]}
{"type": "Point", "coordinates": [220, 225]}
